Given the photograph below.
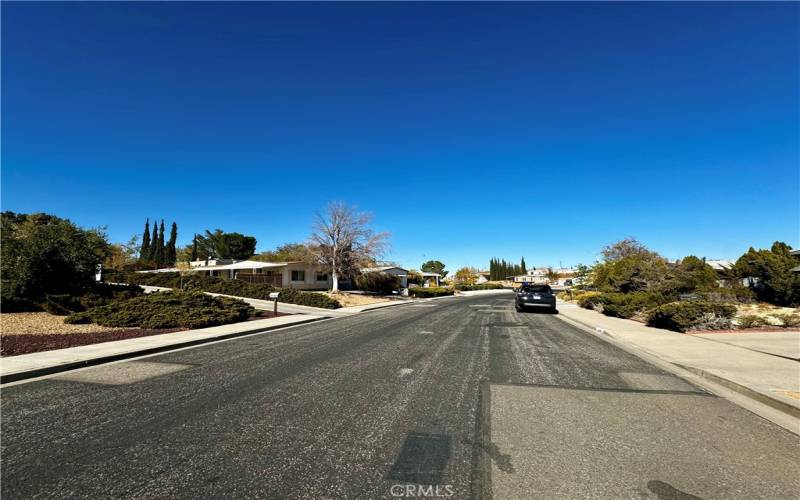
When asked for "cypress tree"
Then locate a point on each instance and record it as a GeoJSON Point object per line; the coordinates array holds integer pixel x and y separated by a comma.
{"type": "Point", "coordinates": [172, 252]}
{"type": "Point", "coordinates": [144, 251]}
{"type": "Point", "coordinates": [522, 266]}
{"type": "Point", "coordinates": [161, 250]}
{"type": "Point", "coordinates": [153, 253]}
{"type": "Point", "coordinates": [194, 255]}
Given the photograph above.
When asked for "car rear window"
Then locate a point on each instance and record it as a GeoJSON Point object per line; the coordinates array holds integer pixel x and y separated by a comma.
{"type": "Point", "coordinates": [536, 289]}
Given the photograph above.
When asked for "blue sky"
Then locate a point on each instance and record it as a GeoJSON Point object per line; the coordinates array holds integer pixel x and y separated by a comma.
{"type": "Point", "coordinates": [469, 130]}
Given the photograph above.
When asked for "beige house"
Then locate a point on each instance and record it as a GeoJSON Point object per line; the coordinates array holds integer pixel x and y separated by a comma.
{"type": "Point", "coordinates": [299, 275]}
{"type": "Point", "coordinates": [401, 273]}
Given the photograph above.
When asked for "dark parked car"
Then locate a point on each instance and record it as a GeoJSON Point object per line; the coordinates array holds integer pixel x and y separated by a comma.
{"type": "Point", "coordinates": [538, 296]}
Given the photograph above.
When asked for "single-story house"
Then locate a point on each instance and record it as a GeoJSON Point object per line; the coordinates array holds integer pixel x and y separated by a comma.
{"type": "Point", "coordinates": [795, 252]}
{"type": "Point", "coordinates": [298, 274]}
{"type": "Point", "coordinates": [535, 276]}
{"type": "Point", "coordinates": [565, 276]}
{"type": "Point", "coordinates": [393, 270]}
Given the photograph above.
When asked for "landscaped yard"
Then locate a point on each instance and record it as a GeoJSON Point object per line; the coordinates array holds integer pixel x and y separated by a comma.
{"type": "Point", "coordinates": [166, 312]}
{"type": "Point", "coordinates": [24, 333]}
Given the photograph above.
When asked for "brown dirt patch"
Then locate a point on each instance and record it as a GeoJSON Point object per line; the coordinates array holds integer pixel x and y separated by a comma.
{"type": "Point", "coordinates": [355, 299]}
{"type": "Point", "coordinates": [26, 343]}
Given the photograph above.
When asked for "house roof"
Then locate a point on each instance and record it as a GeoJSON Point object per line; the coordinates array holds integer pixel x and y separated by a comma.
{"type": "Point", "coordinates": [242, 264]}
{"type": "Point", "coordinates": [381, 269]}
{"type": "Point", "coordinates": [423, 273]}
{"type": "Point", "coordinates": [720, 264]}
{"type": "Point", "coordinates": [245, 264]}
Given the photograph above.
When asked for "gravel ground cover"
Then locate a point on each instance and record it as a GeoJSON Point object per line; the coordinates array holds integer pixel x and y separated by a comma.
{"type": "Point", "coordinates": [25, 333]}
{"type": "Point", "coordinates": [42, 323]}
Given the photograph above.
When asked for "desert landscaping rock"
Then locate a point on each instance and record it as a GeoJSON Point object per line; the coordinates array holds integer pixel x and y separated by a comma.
{"type": "Point", "coordinates": [42, 323]}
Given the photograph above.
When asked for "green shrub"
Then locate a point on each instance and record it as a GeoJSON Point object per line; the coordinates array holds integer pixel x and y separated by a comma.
{"type": "Point", "coordinates": [728, 294]}
{"type": "Point", "coordinates": [44, 254]}
{"type": "Point", "coordinates": [378, 282]}
{"type": "Point", "coordinates": [620, 305]}
{"type": "Point", "coordinates": [236, 288]}
{"type": "Point", "coordinates": [588, 300]}
{"type": "Point", "coordinates": [751, 321]}
{"type": "Point", "coordinates": [166, 310]}
{"type": "Point", "coordinates": [311, 299]}
{"type": "Point", "coordinates": [62, 304]}
{"type": "Point", "coordinates": [432, 291]}
{"type": "Point", "coordinates": [627, 305]}
{"type": "Point", "coordinates": [11, 303]}
{"type": "Point", "coordinates": [484, 286]}
{"type": "Point", "coordinates": [682, 316]}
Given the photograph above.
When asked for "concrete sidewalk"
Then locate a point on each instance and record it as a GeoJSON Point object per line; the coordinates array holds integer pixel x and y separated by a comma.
{"type": "Point", "coordinates": [766, 378]}
{"type": "Point", "coordinates": [13, 368]}
{"type": "Point", "coordinates": [784, 344]}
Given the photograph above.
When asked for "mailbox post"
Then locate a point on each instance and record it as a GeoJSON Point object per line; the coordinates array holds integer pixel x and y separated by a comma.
{"type": "Point", "coordinates": [274, 297]}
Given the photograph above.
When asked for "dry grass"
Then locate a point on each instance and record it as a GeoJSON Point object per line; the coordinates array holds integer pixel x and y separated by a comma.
{"type": "Point", "coordinates": [353, 299]}
{"type": "Point", "coordinates": [40, 323]}
{"type": "Point", "coordinates": [766, 311]}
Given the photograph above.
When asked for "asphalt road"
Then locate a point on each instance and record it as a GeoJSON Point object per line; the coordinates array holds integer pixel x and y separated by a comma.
{"type": "Point", "coordinates": [460, 393]}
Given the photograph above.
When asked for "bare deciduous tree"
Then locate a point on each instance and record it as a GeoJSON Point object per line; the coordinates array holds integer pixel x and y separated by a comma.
{"type": "Point", "coordinates": [343, 242]}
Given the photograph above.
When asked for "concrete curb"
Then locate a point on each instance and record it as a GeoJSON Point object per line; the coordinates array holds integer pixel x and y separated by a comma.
{"type": "Point", "coordinates": [763, 405]}
{"type": "Point", "coordinates": [746, 391]}
{"type": "Point", "coordinates": [760, 396]}
{"type": "Point", "coordinates": [62, 367]}
{"type": "Point", "coordinates": [374, 307]}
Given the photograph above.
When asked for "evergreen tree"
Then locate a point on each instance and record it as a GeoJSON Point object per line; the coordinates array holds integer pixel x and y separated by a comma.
{"type": "Point", "coordinates": [194, 254]}
{"type": "Point", "coordinates": [161, 250]}
{"type": "Point", "coordinates": [172, 252]}
{"type": "Point", "coordinates": [522, 266]}
{"type": "Point", "coordinates": [151, 254]}
{"type": "Point", "coordinates": [144, 251]}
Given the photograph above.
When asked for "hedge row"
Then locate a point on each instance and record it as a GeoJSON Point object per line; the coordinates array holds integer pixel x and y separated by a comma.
{"type": "Point", "coordinates": [421, 292]}
{"type": "Point", "coordinates": [662, 311]}
{"type": "Point", "coordinates": [166, 310]}
{"type": "Point", "coordinates": [622, 305]}
{"type": "Point", "coordinates": [64, 304]}
{"type": "Point", "coordinates": [683, 316]}
{"type": "Point", "coordinates": [237, 288]}
{"type": "Point", "coordinates": [484, 286]}
{"type": "Point", "coordinates": [378, 282]}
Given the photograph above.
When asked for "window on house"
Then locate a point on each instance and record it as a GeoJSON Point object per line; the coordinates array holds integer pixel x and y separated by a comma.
{"type": "Point", "coordinates": [298, 275]}
{"type": "Point", "coordinates": [322, 276]}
